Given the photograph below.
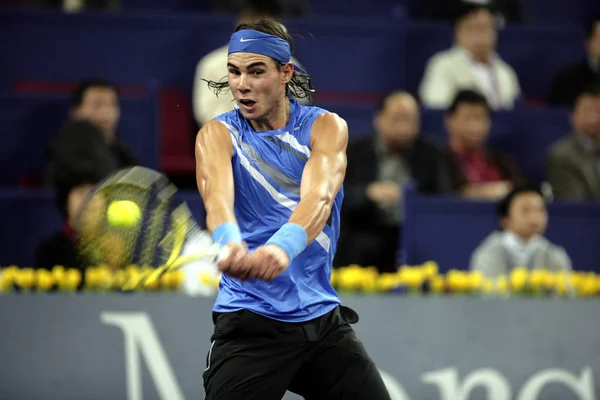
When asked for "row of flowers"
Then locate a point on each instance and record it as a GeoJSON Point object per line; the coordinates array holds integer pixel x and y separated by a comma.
{"type": "Point", "coordinates": [425, 278]}
{"type": "Point", "coordinates": [415, 280]}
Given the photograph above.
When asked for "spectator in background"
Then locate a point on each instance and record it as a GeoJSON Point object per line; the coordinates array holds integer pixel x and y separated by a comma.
{"type": "Point", "coordinates": [510, 11]}
{"type": "Point", "coordinates": [77, 158]}
{"type": "Point", "coordinates": [377, 169]}
{"type": "Point", "coordinates": [523, 218]}
{"type": "Point", "coordinates": [471, 64]}
{"type": "Point", "coordinates": [213, 66]}
{"type": "Point", "coordinates": [475, 171]}
{"type": "Point", "coordinates": [570, 81]}
{"type": "Point", "coordinates": [573, 164]}
{"type": "Point", "coordinates": [97, 101]}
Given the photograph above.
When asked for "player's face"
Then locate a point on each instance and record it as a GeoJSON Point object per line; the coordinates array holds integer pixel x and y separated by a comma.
{"type": "Point", "coordinates": [100, 106]}
{"type": "Point", "coordinates": [257, 83]}
{"type": "Point", "coordinates": [527, 215]}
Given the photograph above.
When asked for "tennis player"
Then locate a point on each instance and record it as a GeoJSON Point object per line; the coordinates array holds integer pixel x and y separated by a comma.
{"type": "Point", "coordinates": [270, 173]}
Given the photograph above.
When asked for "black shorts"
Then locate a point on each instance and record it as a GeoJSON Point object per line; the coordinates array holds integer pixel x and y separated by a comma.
{"type": "Point", "coordinates": [253, 357]}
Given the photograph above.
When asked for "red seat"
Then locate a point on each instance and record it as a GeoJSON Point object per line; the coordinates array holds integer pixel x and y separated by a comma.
{"type": "Point", "coordinates": [177, 133]}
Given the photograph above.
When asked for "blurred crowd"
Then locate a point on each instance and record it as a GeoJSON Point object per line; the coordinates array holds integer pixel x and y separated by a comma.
{"type": "Point", "coordinates": [470, 81]}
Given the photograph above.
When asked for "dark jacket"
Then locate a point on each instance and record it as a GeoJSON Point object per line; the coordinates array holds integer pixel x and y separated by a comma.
{"type": "Point", "coordinates": [569, 82]}
{"type": "Point", "coordinates": [59, 249]}
{"type": "Point", "coordinates": [424, 159]}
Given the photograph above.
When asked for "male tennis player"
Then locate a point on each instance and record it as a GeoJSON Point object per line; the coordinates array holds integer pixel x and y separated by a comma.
{"type": "Point", "coordinates": [270, 173]}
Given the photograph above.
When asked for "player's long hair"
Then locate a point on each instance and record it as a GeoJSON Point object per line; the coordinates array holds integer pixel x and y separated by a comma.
{"type": "Point", "coordinates": [299, 86]}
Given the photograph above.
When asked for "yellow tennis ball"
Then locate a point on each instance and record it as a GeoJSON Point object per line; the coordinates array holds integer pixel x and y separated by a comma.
{"type": "Point", "coordinates": [123, 214]}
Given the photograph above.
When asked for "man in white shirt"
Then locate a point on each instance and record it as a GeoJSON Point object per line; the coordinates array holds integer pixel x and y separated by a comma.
{"type": "Point", "coordinates": [471, 64]}
{"type": "Point", "coordinates": [213, 66]}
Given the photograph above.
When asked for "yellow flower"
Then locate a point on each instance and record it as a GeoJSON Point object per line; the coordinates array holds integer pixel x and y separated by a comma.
{"type": "Point", "coordinates": [597, 286]}
{"type": "Point", "coordinates": [386, 282]}
{"type": "Point", "coordinates": [8, 277]}
{"type": "Point", "coordinates": [487, 286]}
{"type": "Point", "coordinates": [476, 279]}
{"type": "Point", "coordinates": [45, 280]}
{"type": "Point", "coordinates": [537, 278]}
{"type": "Point", "coordinates": [368, 282]}
{"type": "Point", "coordinates": [58, 273]}
{"type": "Point", "coordinates": [104, 277]}
{"type": "Point", "coordinates": [437, 284]}
{"type": "Point", "coordinates": [177, 278]}
{"type": "Point", "coordinates": [350, 277]}
{"type": "Point", "coordinates": [458, 281]}
{"type": "Point", "coordinates": [549, 280]}
{"type": "Point", "coordinates": [576, 279]}
{"type": "Point", "coordinates": [587, 286]}
{"type": "Point", "coordinates": [518, 279]}
{"type": "Point", "coordinates": [119, 278]}
{"type": "Point", "coordinates": [411, 277]}
{"type": "Point", "coordinates": [73, 279]}
{"type": "Point", "coordinates": [91, 278]}
{"type": "Point", "coordinates": [430, 269]}
{"type": "Point", "coordinates": [501, 285]}
{"type": "Point", "coordinates": [562, 283]}
{"type": "Point", "coordinates": [26, 278]}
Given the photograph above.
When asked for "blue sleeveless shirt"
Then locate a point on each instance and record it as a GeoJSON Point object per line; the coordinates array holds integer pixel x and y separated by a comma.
{"type": "Point", "coordinates": [267, 170]}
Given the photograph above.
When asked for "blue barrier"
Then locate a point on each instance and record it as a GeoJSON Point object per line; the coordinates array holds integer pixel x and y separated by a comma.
{"type": "Point", "coordinates": [29, 122]}
{"type": "Point", "coordinates": [342, 54]}
{"type": "Point", "coordinates": [29, 216]}
{"type": "Point", "coordinates": [448, 230]}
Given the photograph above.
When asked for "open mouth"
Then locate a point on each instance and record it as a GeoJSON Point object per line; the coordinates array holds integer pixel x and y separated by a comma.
{"type": "Point", "coordinates": [248, 104]}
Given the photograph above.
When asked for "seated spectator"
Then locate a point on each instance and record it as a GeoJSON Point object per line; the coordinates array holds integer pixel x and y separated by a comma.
{"type": "Point", "coordinates": [97, 101]}
{"type": "Point", "coordinates": [77, 158]}
{"type": "Point", "coordinates": [570, 81]}
{"type": "Point", "coordinates": [377, 169]}
{"type": "Point", "coordinates": [471, 64]}
{"type": "Point", "coordinates": [573, 164]}
{"type": "Point", "coordinates": [523, 218]}
{"type": "Point", "coordinates": [476, 172]}
{"type": "Point", "coordinates": [510, 11]}
{"type": "Point", "coordinates": [213, 66]}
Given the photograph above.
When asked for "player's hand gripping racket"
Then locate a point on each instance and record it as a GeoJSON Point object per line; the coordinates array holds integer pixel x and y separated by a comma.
{"type": "Point", "coordinates": [135, 217]}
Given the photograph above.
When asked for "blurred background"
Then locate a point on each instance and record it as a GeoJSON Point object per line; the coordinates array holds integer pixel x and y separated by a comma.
{"type": "Point", "coordinates": [450, 105]}
{"type": "Point", "coordinates": [474, 155]}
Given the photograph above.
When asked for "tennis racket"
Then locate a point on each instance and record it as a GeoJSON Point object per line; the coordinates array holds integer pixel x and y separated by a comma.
{"type": "Point", "coordinates": [161, 232]}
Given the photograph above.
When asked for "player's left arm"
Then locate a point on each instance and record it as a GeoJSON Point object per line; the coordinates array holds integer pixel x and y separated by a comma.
{"type": "Point", "coordinates": [322, 179]}
{"type": "Point", "coordinates": [323, 174]}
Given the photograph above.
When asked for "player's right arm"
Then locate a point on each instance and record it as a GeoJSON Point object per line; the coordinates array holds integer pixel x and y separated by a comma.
{"type": "Point", "coordinates": [214, 174]}
{"type": "Point", "coordinates": [214, 177]}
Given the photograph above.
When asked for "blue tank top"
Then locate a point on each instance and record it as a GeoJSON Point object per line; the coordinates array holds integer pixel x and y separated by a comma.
{"type": "Point", "coordinates": [267, 169]}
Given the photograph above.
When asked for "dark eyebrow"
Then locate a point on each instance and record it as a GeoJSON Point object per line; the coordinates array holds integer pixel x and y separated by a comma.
{"type": "Point", "coordinates": [253, 65]}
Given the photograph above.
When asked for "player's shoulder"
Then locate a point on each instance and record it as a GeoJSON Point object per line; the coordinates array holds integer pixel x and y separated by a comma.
{"type": "Point", "coordinates": [317, 113]}
{"type": "Point", "coordinates": [331, 119]}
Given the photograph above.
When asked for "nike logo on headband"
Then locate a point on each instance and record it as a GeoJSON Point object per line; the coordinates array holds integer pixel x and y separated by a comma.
{"type": "Point", "coordinates": [246, 40]}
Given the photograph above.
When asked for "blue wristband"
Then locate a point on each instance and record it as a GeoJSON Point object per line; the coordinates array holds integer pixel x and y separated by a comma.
{"type": "Point", "coordinates": [291, 238]}
{"type": "Point", "coordinates": [227, 232]}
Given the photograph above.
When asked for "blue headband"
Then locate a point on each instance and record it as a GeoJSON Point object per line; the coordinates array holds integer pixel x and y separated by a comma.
{"type": "Point", "coordinates": [251, 41]}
